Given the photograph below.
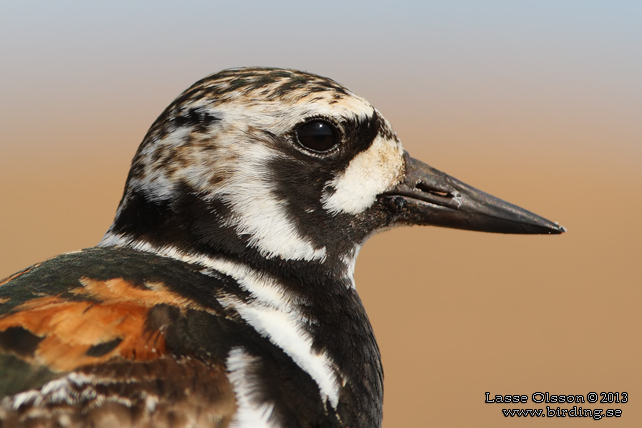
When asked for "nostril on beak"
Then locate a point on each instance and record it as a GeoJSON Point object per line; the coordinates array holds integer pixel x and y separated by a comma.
{"type": "Point", "coordinates": [432, 190]}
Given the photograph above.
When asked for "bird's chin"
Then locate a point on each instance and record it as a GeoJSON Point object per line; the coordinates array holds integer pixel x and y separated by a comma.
{"type": "Point", "coordinates": [427, 196]}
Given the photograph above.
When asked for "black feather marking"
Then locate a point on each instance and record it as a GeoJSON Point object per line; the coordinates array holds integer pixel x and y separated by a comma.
{"type": "Point", "coordinates": [20, 341]}
{"type": "Point", "coordinates": [103, 348]}
{"type": "Point", "coordinates": [194, 117]}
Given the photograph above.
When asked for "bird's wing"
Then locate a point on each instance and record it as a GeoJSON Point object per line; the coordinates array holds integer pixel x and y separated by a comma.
{"type": "Point", "coordinates": [99, 339]}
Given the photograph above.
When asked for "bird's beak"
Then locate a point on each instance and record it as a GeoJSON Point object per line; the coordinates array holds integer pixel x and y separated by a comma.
{"type": "Point", "coordinates": [427, 196]}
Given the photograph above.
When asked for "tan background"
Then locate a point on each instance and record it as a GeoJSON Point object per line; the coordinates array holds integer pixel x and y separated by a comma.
{"type": "Point", "coordinates": [538, 103]}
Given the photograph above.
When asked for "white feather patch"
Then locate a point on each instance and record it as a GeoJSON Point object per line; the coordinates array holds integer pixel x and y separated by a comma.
{"type": "Point", "coordinates": [369, 174]}
{"type": "Point", "coordinates": [275, 314]}
{"type": "Point", "coordinates": [249, 413]}
{"type": "Point", "coordinates": [284, 330]}
{"type": "Point", "coordinates": [53, 392]}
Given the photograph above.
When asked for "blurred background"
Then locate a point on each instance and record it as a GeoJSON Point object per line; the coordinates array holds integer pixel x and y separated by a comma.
{"type": "Point", "coordinates": [536, 102]}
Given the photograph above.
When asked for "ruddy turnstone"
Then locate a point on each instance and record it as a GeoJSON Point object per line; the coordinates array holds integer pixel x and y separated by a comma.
{"type": "Point", "coordinates": [223, 293]}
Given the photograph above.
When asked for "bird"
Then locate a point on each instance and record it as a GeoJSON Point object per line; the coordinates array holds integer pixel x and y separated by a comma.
{"type": "Point", "coordinates": [223, 293]}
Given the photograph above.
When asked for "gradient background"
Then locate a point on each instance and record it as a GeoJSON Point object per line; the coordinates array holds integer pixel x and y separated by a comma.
{"type": "Point", "coordinates": [537, 102]}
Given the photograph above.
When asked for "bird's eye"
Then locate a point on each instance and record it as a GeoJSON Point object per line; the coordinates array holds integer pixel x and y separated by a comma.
{"type": "Point", "coordinates": [317, 135]}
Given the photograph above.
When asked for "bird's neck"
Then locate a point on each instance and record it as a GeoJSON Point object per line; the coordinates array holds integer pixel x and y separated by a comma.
{"type": "Point", "coordinates": [319, 303]}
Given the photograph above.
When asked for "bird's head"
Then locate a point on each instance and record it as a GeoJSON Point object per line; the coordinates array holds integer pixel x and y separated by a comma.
{"type": "Point", "coordinates": [283, 165]}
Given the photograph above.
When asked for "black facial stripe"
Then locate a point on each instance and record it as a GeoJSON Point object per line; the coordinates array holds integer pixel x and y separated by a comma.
{"type": "Point", "coordinates": [300, 180]}
{"type": "Point", "coordinates": [187, 222]}
{"type": "Point", "coordinates": [359, 134]}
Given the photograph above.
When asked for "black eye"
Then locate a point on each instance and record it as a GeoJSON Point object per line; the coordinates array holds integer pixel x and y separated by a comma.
{"type": "Point", "coordinates": [317, 135]}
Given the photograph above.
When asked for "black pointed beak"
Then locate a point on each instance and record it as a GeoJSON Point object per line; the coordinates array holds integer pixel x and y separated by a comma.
{"type": "Point", "coordinates": [429, 197]}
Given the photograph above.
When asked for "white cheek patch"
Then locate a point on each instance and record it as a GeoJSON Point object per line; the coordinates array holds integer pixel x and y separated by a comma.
{"type": "Point", "coordinates": [369, 174]}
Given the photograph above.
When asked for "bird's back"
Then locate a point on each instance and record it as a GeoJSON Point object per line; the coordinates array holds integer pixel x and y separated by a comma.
{"type": "Point", "coordinates": [111, 337]}
{"type": "Point", "coordinates": [118, 337]}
